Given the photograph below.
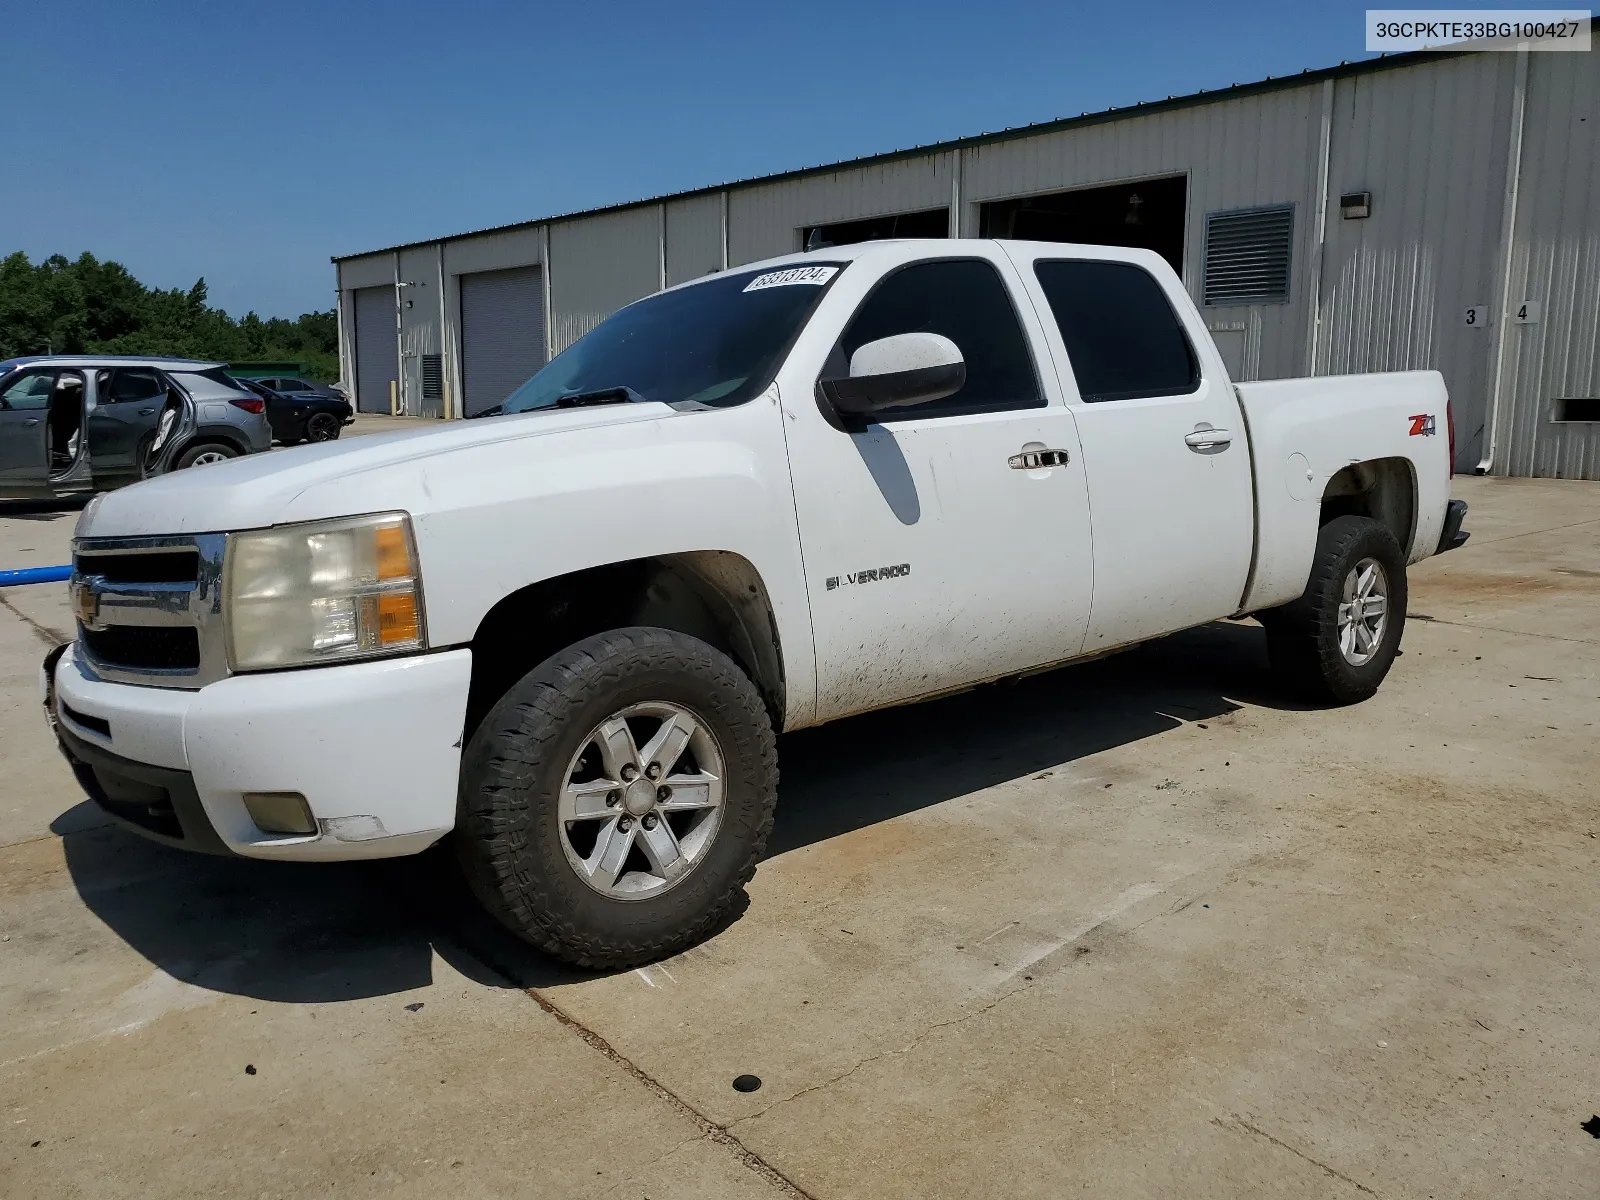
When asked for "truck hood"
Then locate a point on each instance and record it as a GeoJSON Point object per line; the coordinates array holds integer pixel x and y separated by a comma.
{"type": "Point", "coordinates": [259, 490]}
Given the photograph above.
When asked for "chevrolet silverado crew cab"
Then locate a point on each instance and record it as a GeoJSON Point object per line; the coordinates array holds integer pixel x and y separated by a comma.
{"type": "Point", "coordinates": [564, 637]}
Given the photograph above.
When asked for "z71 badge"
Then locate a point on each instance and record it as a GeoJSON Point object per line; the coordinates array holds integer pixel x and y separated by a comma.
{"type": "Point", "coordinates": [870, 575]}
{"type": "Point", "coordinates": [1422, 425]}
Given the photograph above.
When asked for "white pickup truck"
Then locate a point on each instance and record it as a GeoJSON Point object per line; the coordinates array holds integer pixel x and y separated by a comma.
{"type": "Point", "coordinates": [565, 636]}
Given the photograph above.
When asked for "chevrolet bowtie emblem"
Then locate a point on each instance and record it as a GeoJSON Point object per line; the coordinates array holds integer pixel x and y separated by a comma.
{"type": "Point", "coordinates": [85, 603]}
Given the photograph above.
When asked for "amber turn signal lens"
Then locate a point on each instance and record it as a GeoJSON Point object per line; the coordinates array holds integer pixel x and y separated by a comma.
{"type": "Point", "coordinates": [394, 555]}
{"type": "Point", "coordinates": [397, 619]}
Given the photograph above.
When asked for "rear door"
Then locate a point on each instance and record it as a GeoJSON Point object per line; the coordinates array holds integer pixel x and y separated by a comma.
{"type": "Point", "coordinates": [935, 557]}
{"type": "Point", "coordinates": [1164, 442]}
{"type": "Point", "coordinates": [24, 410]}
{"type": "Point", "coordinates": [127, 404]}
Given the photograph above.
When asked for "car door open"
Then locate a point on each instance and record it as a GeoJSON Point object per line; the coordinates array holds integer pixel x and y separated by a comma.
{"type": "Point", "coordinates": [43, 448]}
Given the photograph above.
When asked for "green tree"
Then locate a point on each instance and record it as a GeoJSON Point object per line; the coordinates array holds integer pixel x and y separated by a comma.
{"type": "Point", "coordinates": [89, 306]}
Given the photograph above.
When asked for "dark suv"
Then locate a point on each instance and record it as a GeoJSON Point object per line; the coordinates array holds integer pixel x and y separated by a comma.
{"type": "Point", "coordinates": [75, 423]}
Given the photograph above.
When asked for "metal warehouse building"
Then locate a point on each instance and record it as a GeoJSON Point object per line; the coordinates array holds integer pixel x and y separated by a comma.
{"type": "Point", "coordinates": [1426, 210]}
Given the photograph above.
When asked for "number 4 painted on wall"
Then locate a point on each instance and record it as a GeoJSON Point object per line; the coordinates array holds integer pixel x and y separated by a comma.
{"type": "Point", "coordinates": [1526, 313]}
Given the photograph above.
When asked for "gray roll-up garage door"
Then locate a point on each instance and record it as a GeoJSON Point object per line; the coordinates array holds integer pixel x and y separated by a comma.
{"type": "Point", "coordinates": [377, 358]}
{"type": "Point", "coordinates": [502, 334]}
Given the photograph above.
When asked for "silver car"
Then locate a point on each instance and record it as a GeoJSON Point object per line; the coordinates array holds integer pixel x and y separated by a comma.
{"type": "Point", "coordinates": [76, 422]}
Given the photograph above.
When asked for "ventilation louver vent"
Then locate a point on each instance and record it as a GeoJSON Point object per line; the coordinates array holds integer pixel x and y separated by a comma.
{"type": "Point", "coordinates": [1247, 255]}
{"type": "Point", "coordinates": [432, 376]}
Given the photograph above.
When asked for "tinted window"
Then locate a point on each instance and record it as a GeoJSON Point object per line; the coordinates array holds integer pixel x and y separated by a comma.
{"type": "Point", "coordinates": [218, 375]}
{"type": "Point", "coordinates": [966, 301]}
{"type": "Point", "coordinates": [130, 386]}
{"type": "Point", "coordinates": [203, 385]}
{"type": "Point", "coordinates": [1122, 337]}
{"type": "Point", "coordinates": [297, 385]}
{"type": "Point", "coordinates": [29, 392]}
{"type": "Point", "coordinates": [717, 342]}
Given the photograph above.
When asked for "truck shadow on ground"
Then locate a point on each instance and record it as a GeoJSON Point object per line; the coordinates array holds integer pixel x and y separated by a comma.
{"type": "Point", "coordinates": [326, 932]}
{"type": "Point", "coordinates": [64, 509]}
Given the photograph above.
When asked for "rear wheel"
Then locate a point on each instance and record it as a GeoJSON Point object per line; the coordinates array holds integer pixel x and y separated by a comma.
{"type": "Point", "coordinates": [615, 801]}
{"type": "Point", "coordinates": [1336, 642]}
{"type": "Point", "coordinates": [205, 454]}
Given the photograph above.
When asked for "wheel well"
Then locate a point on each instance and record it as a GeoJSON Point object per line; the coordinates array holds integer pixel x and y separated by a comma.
{"type": "Point", "coordinates": [211, 439]}
{"type": "Point", "coordinates": [1383, 489]}
{"type": "Point", "coordinates": [712, 595]}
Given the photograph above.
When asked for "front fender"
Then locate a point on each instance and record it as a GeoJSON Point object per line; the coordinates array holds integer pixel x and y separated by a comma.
{"type": "Point", "coordinates": [495, 518]}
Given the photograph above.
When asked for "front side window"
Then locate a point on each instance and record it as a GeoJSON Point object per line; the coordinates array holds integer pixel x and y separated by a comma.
{"type": "Point", "coordinates": [716, 343]}
{"type": "Point", "coordinates": [30, 391]}
{"type": "Point", "coordinates": [966, 301]}
{"type": "Point", "coordinates": [1122, 337]}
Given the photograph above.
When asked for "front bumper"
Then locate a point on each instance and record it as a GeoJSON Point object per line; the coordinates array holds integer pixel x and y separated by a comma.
{"type": "Point", "coordinates": [375, 748]}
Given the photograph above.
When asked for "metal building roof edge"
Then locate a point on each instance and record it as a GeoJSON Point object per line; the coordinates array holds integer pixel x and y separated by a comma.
{"type": "Point", "coordinates": [1345, 69]}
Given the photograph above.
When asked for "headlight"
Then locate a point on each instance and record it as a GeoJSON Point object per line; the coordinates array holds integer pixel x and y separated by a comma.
{"type": "Point", "coordinates": [323, 591]}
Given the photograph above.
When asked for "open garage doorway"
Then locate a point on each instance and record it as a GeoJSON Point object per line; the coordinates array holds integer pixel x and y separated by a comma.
{"type": "Point", "coordinates": [1148, 213]}
{"type": "Point", "coordinates": [929, 223]}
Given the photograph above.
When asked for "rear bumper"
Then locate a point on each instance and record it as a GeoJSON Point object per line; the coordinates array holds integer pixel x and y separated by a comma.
{"type": "Point", "coordinates": [373, 747]}
{"type": "Point", "coordinates": [1452, 535]}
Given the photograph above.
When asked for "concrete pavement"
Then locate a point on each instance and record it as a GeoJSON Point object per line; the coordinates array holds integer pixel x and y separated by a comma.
{"type": "Point", "coordinates": [1136, 928]}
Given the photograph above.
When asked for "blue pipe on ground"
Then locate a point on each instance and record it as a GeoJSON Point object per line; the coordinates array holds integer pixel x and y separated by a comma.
{"type": "Point", "coordinates": [35, 575]}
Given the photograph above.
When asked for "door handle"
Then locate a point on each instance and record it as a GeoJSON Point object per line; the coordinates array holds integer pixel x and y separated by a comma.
{"type": "Point", "coordinates": [145, 412]}
{"type": "Point", "coordinates": [30, 422]}
{"type": "Point", "coordinates": [1206, 438]}
{"type": "Point", "coordinates": [1034, 460]}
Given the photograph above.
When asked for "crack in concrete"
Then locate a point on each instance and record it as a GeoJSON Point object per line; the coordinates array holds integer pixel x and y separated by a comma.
{"type": "Point", "coordinates": [1331, 1172]}
{"type": "Point", "coordinates": [709, 1129]}
{"type": "Point", "coordinates": [44, 633]}
{"type": "Point", "coordinates": [1550, 637]}
{"type": "Point", "coordinates": [872, 1058]}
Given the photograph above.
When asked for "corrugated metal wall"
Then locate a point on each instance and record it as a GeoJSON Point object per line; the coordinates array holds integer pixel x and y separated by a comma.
{"type": "Point", "coordinates": [1238, 153]}
{"type": "Point", "coordinates": [1556, 264]}
{"type": "Point", "coordinates": [1429, 139]}
{"type": "Point", "coordinates": [598, 264]}
{"type": "Point", "coordinates": [765, 219]}
{"type": "Point", "coordinates": [694, 237]}
{"type": "Point", "coordinates": [421, 328]}
{"type": "Point", "coordinates": [1430, 145]}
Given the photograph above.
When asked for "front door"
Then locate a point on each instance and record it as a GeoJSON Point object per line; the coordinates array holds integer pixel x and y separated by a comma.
{"type": "Point", "coordinates": [935, 556]}
{"type": "Point", "coordinates": [1164, 445]}
{"type": "Point", "coordinates": [42, 448]}
{"type": "Point", "coordinates": [24, 408]}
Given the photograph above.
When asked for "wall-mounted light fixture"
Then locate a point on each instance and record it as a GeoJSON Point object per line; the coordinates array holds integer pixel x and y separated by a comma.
{"type": "Point", "coordinates": [1355, 206]}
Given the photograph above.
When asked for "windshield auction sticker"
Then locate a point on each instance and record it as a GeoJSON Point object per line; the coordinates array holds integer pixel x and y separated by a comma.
{"type": "Point", "coordinates": [815, 276]}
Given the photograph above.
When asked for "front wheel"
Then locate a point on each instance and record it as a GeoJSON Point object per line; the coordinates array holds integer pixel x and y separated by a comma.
{"type": "Point", "coordinates": [1336, 642]}
{"type": "Point", "coordinates": [615, 801]}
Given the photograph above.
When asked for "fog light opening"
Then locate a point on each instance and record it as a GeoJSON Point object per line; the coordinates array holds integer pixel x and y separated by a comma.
{"type": "Point", "coordinates": [280, 812]}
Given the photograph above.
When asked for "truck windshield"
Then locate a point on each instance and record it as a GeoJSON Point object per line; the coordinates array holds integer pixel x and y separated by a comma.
{"type": "Point", "coordinates": [716, 343]}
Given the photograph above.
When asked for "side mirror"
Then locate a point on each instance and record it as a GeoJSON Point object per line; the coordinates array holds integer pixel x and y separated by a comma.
{"type": "Point", "coordinates": [897, 371]}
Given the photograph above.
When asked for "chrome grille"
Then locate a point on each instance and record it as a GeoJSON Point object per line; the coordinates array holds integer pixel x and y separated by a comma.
{"type": "Point", "coordinates": [150, 609]}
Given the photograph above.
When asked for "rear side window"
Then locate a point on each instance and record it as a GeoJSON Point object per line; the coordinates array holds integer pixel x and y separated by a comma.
{"type": "Point", "coordinates": [1122, 337]}
{"type": "Point", "coordinates": [213, 385]}
{"type": "Point", "coordinates": [966, 301]}
{"type": "Point", "coordinates": [128, 387]}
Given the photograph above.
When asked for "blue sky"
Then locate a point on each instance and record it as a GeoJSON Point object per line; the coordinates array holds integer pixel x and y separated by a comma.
{"type": "Point", "coordinates": [249, 142]}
